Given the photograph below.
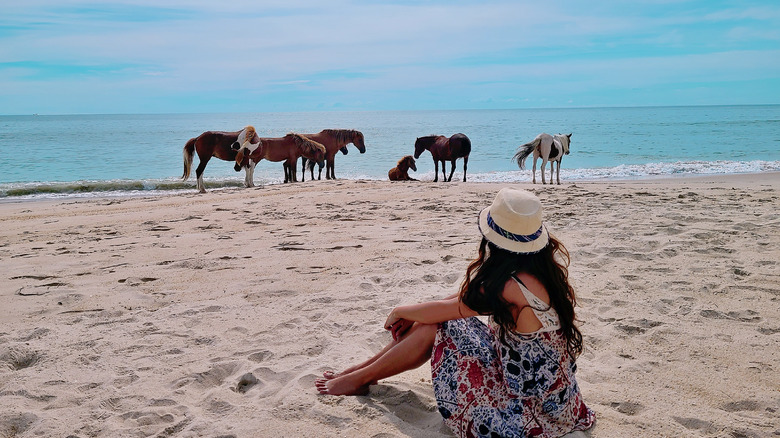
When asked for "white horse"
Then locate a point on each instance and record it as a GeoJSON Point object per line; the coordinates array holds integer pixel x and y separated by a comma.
{"type": "Point", "coordinates": [248, 139]}
{"type": "Point", "coordinates": [549, 148]}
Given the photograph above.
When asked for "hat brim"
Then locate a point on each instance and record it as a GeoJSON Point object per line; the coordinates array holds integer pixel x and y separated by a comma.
{"type": "Point", "coordinates": [509, 244]}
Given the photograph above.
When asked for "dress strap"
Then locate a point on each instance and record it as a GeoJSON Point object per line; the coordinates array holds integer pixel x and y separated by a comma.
{"type": "Point", "coordinates": [544, 312]}
{"type": "Point", "coordinates": [535, 302]}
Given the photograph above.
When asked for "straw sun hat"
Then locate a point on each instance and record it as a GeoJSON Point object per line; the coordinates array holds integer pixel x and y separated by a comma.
{"type": "Point", "coordinates": [514, 222]}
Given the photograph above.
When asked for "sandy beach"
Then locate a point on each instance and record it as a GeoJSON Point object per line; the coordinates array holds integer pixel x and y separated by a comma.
{"type": "Point", "coordinates": [212, 315]}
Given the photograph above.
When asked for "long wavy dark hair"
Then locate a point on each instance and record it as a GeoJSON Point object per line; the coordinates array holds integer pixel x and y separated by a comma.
{"type": "Point", "coordinates": [486, 276]}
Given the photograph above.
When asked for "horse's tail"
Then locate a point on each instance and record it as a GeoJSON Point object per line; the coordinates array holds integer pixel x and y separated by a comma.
{"type": "Point", "coordinates": [309, 164]}
{"type": "Point", "coordinates": [524, 151]}
{"type": "Point", "coordinates": [189, 153]}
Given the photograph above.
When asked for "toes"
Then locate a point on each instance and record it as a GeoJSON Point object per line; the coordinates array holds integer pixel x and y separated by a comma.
{"type": "Point", "coordinates": [321, 385]}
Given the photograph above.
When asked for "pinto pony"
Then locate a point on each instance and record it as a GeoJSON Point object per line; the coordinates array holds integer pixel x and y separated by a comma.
{"type": "Point", "coordinates": [445, 149]}
{"type": "Point", "coordinates": [335, 140]}
{"type": "Point", "coordinates": [287, 149]}
{"type": "Point", "coordinates": [549, 148]}
{"type": "Point", "coordinates": [401, 170]}
{"type": "Point", "coordinates": [218, 144]}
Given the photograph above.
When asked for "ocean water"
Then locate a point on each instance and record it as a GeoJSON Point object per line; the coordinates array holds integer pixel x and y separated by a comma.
{"type": "Point", "coordinates": [88, 155]}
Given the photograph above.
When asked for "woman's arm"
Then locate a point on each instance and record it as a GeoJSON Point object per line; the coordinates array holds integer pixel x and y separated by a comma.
{"type": "Point", "coordinates": [431, 312]}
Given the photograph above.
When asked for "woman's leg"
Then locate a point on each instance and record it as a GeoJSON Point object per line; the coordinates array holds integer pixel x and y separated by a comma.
{"type": "Point", "coordinates": [413, 350]}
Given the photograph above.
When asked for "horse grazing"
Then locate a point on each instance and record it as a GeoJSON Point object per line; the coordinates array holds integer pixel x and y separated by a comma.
{"type": "Point", "coordinates": [218, 144]}
{"type": "Point", "coordinates": [287, 149]}
{"type": "Point", "coordinates": [335, 140]}
{"type": "Point", "coordinates": [445, 149]}
{"type": "Point", "coordinates": [549, 148]}
{"type": "Point", "coordinates": [307, 164]}
{"type": "Point", "coordinates": [400, 171]}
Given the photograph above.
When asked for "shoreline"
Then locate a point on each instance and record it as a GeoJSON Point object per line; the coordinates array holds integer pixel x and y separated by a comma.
{"type": "Point", "coordinates": [655, 179]}
{"type": "Point", "coordinates": [212, 314]}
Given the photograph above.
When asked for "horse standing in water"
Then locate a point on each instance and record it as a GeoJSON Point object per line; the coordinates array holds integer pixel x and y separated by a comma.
{"type": "Point", "coordinates": [445, 149]}
{"type": "Point", "coordinates": [335, 140]}
{"type": "Point", "coordinates": [549, 148]}
{"type": "Point", "coordinates": [401, 170]}
{"type": "Point", "coordinates": [287, 149]}
{"type": "Point", "coordinates": [218, 144]}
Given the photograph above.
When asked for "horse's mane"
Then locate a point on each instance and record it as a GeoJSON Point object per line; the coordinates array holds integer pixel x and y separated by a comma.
{"type": "Point", "coordinates": [343, 135]}
{"type": "Point", "coordinates": [305, 144]}
{"type": "Point", "coordinates": [407, 158]}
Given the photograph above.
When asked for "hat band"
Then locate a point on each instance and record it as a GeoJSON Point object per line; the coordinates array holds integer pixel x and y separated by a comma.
{"type": "Point", "coordinates": [512, 236]}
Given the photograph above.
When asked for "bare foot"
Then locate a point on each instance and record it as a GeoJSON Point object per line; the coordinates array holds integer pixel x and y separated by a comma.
{"type": "Point", "coordinates": [343, 385]}
{"type": "Point", "coordinates": [330, 374]}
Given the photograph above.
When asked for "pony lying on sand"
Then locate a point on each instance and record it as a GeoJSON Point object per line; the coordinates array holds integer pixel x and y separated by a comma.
{"type": "Point", "coordinates": [307, 164]}
{"type": "Point", "coordinates": [287, 149]}
{"type": "Point", "coordinates": [215, 144]}
{"type": "Point", "coordinates": [445, 149]}
{"type": "Point", "coordinates": [549, 148]}
{"type": "Point", "coordinates": [400, 171]}
{"type": "Point", "coordinates": [335, 140]}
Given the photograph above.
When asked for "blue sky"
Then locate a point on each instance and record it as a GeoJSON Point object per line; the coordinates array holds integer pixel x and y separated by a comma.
{"type": "Point", "coordinates": [163, 56]}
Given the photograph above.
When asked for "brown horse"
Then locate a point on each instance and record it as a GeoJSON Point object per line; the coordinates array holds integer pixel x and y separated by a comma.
{"type": "Point", "coordinates": [218, 144]}
{"type": "Point", "coordinates": [400, 171]}
{"type": "Point", "coordinates": [287, 149]}
{"type": "Point", "coordinates": [445, 149]}
{"type": "Point", "coordinates": [335, 140]}
{"type": "Point", "coordinates": [307, 164]}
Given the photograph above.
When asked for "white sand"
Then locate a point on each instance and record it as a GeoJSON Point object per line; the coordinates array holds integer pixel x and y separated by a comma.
{"type": "Point", "coordinates": [211, 315]}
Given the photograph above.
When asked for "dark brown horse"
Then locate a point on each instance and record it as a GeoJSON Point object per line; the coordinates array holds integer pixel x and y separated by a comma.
{"type": "Point", "coordinates": [401, 171]}
{"type": "Point", "coordinates": [445, 149]}
{"type": "Point", "coordinates": [335, 140]}
{"type": "Point", "coordinates": [287, 149]}
{"type": "Point", "coordinates": [307, 164]}
{"type": "Point", "coordinates": [218, 144]}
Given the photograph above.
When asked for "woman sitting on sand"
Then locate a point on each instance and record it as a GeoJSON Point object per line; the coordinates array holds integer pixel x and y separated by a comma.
{"type": "Point", "coordinates": [515, 376]}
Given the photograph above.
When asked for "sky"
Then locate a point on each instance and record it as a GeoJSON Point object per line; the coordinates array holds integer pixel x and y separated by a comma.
{"type": "Point", "coordinates": [205, 56]}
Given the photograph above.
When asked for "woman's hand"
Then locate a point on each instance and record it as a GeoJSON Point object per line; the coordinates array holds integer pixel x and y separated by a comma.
{"type": "Point", "coordinates": [397, 325]}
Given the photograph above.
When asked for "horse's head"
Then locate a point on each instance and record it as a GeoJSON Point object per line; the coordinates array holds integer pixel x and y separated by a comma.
{"type": "Point", "coordinates": [344, 150]}
{"type": "Point", "coordinates": [565, 141]}
{"type": "Point", "coordinates": [419, 146]}
{"type": "Point", "coordinates": [242, 159]}
{"type": "Point", "coordinates": [244, 153]}
{"type": "Point", "coordinates": [410, 162]}
{"type": "Point", "coordinates": [359, 142]}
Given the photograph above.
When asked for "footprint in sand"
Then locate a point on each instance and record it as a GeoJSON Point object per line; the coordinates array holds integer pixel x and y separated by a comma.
{"type": "Point", "coordinates": [627, 408]}
{"type": "Point", "coordinates": [245, 383]}
{"type": "Point", "coordinates": [12, 425]}
{"type": "Point", "coordinates": [19, 358]}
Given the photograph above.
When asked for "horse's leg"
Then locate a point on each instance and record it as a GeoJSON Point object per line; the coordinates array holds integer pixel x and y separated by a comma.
{"type": "Point", "coordinates": [199, 172]}
{"type": "Point", "coordinates": [452, 170]}
{"type": "Point", "coordinates": [293, 166]}
{"type": "Point", "coordinates": [303, 169]}
{"type": "Point", "coordinates": [558, 172]}
{"type": "Point", "coordinates": [533, 170]}
{"type": "Point", "coordinates": [436, 167]}
{"type": "Point", "coordinates": [465, 166]}
{"type": "Point", "coordinates": [541, 169]}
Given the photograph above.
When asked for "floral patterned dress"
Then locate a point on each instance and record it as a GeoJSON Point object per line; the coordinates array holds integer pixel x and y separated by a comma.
{"type": "Point", "coordinates": [524, 388]}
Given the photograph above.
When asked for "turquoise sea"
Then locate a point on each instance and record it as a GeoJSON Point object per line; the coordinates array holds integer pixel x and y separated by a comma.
{"type": "Point", "coordinates": [89, 155]}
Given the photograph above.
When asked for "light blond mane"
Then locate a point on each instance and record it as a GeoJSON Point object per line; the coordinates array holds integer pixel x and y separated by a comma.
{"type": "Point", "coordinates": [306, 145]}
